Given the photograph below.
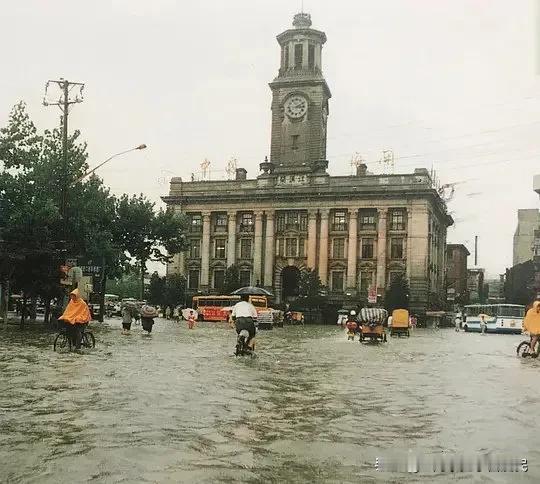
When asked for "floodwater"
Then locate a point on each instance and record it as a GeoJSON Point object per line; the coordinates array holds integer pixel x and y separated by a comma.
{"type": "Point", "coordinates": [312, 407]}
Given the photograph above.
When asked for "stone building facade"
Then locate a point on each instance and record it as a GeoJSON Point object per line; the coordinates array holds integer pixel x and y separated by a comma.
{"type": "Point", "coordinates": [358, 232]}
{"type": "Point", "coordinates": [528, 222]}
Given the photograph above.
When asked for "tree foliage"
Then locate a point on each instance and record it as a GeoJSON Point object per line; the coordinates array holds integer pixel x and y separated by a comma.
{"type": "Point", "coordinates": [311, 290]}
{"type": "Point", "coordinates": [166, 291]}
{"type": "Point", "coordinates": [231, 280]}
{"type": "Point", "coordinates": [35, 237]}
{"type": "Point", "coordinates": [397, 296]}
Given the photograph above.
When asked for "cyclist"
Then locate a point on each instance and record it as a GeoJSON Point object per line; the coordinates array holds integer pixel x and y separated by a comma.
{"type": "Point", "coordinates": [75, 316]}
{"type": "Point", "coordinates": [244, 315]}
{"type": "Point", "coordinates": [531, 324]}
{"type": "Point", "coordinates": [352, 322]}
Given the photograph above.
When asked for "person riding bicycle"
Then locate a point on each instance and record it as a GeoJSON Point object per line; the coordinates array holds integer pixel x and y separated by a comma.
{"type": "Point", "coordinates": [352, 322]}
{"type": "Point", "coordinates": [75, 316]}
{"type": "Point", "coordinates": [244, 315]}
{"type": "Point", "coordinates": [531, 324]}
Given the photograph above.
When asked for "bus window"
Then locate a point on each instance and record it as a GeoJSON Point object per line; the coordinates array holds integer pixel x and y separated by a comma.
{"type": "Point", "coordinates": [511, 311]}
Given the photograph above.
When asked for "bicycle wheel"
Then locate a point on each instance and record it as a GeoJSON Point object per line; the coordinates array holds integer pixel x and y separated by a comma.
{"type": "Point", "coordinates": [62, 342]}
{"type": "Point", "coordinates": [88, 340]}
{"type": "Point", "coordinates": [523, 349]}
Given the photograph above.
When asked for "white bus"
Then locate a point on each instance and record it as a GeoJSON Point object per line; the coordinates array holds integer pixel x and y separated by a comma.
{"type": "Point", "coordinates": [500, 318]}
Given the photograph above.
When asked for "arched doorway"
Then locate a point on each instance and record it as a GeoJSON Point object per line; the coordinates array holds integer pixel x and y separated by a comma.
{"type": "Point", "coordinates": [290, 282]}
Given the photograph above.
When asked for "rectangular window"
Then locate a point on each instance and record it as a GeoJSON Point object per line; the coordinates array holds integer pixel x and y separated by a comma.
{"type": "Point", "coordinates": [397, 220]}
{"type": "Point", "coordinates": [367, 248]}
{"type": "Point", "coordinates": [220, 222]}
{"type": "Point", "coordinates": [337, 281]}
{"type": "Point", "coordinates": [366, 279]}
{"type": "Point", "coordinates": [219, 245]}
{"type": "Point", "coordinates": [298, 55]}
{"type": "Point", "coordinates": [280, 221]}
{"type": "Point", "coordinates": [301, 247]}
{"type": "Point", "coordinates": [245, 278]}
{"type": "Point", "coordinates": [245, 248]}
{"type": "Point", "coordinates": [396, 248]}
{"type": "Point", "coordinates": [246, 222]}
{"type": "Point", "coordinates": [196, 223]}
{"type": "Point", "coordinates": [340, 220]}
{"type": "Point", "coordinates": [338, 248]}
{"type": "Point", "coordinates": [195, 249]}
{"type": "Point", "coordinates": [311, 56]}
{"type": "Point", "coordinates": [293, 220]}
{"type": "Point", "coordinates": [294, 144]}
{"type": "Point", "coordinates": [291, 247]}
{"type": "Point", "coordinates": [368, 219]}
{"type": "Point", "coordinates": [281, 247]}
{"type": "Point", "coordinates": [303, 221]}
{"type": "Point", "coordinates": [219, 279]}
{"type": "Point", "coordinates": [193, 279]}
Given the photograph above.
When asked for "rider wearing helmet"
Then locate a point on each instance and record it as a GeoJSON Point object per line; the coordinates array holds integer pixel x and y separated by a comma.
{"type": "Point", "coordinates": [352, 322]}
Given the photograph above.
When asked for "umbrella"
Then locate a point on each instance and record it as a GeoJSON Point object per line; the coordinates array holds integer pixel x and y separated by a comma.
{"type": "Point", "coordinates": [185, 313]}
{"type": "Point", "coordinates": [251, 291]}
{"type": "Point", "coordinates": [149, 312]}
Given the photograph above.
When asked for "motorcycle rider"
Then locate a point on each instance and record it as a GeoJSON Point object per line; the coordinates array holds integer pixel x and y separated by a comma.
{"type": "Point", "coordinates": [352, 322]}
{"type": "Point", "coordinates": [244, 316]}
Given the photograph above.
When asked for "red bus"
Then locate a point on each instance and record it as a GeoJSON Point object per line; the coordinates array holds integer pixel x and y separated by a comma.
{"type": "Point", "coordinates": [216, 308]}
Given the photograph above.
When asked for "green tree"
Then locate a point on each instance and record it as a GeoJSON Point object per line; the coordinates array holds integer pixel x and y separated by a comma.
{"type": "Point", "coordinates": [397, 296]}
{"type": "Point", "coordinates": [175, 290]}
{"type": "Point", "coordinates": [146, 235]}
{"type": "Point", "coordinates": [157, 290]}
{"type": "Point", "coordinates": [310, 289]}
{"type": "Point", "coordinates": [127, 285]}
{"type": "Point", "coordinates": [231, 280]}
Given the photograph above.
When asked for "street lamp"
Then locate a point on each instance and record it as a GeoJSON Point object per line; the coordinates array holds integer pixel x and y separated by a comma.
{"type": "Point", "coordinates": [140, 147]}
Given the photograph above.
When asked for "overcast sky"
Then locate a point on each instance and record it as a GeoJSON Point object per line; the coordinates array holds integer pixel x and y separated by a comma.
{"type": "Point", "coordinates": [451, 84]}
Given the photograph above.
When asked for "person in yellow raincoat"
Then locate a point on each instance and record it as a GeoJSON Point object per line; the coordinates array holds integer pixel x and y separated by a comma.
{"type": "Point", "coordinates": [531, 324]}
{"type": "Point", "coordinates": [75, 315]}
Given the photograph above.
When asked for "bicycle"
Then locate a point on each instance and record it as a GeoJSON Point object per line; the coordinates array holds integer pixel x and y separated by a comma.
{"type": "Point", "coordinates": [242, 347]}
{"type": "Point", "coordinates": [64, 340]}
{"type": "Point", "coordinates": [524, 349]}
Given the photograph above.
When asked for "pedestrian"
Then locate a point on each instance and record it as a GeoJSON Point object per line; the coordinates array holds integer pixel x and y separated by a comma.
{"type": "Point", "coordinates": [167, 312]}
{"type": "Point", "coordinates": [148, 313]}
{"type": "Point", "coordinates": [176, 314]}
{"type": "Point", "coordinates": [75, 316]}
{"type": "Point", "coordinates": [127, 319]}
{"type": "Point", "coordinates": [457, 322]}
{"type": "Point", "coordinates": [191, 320]}
{"type": "Point", "coordinates": [483, 324]}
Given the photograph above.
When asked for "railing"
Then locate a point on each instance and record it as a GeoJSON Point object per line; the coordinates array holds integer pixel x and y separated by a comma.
{"type": "Point", "coordinates": [195, 229]}
{"type": "Point", "coordinates": [340, 227]}
{"type": "Point", "coordinates": [246, 228]}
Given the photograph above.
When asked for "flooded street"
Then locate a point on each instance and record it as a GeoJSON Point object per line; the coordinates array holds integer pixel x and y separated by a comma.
{"type": "Point", "coordinates": [313, 407]}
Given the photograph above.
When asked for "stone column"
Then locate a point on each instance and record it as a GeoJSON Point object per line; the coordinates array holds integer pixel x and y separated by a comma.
{"type": "Point", "coordinates": [381, 249]}
{"type": "Point", "coordinates": [312, 239]}
{"type": "Point", "coordinates": [205, 251]}
{"type": "Point", "coordinates": [257, 256]}
{"type": "Point", "coordinates": [269, 250]}
{"type": "Point", "coordinates": [181, 263]}
{"type": "Point", "coordinates": [231, 249]}
{"type": "Point", "coordinates": [352, 252]}
{"type": "Point", "coordinates": [323, 248]}
{"type": "Point", "coordinates": [409, 242]}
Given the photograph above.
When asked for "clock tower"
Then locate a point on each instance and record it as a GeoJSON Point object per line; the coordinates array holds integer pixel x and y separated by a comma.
{"type": "Point", "coordinates": [299, 102]}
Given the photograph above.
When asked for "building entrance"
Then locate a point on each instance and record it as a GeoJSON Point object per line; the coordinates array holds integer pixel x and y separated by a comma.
{"type": "Point", "coordinates": [290, 282]}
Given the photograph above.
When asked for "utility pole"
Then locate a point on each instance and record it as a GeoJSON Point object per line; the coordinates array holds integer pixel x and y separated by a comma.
{"type": "Point", "coordinates": [66, 87]}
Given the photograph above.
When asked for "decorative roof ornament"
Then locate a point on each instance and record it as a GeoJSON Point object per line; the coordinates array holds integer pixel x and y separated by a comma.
{"type": "Point", "coordinates": [302, 20]}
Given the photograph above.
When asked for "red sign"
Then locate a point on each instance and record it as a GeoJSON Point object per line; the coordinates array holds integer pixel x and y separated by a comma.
{"type": "Point", "coordinates": [214, 314]}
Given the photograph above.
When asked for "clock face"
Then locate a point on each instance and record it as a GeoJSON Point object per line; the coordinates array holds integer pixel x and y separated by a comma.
{"type": "Point", "coordinates": [296, 106]}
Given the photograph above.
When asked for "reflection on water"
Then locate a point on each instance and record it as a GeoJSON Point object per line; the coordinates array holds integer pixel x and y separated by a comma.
{"type": "Point", "coordinates": [313, 407]}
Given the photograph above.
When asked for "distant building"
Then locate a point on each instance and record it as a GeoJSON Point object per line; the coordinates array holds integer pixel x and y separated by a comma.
{"type": "Point", "coordinates": [456, 273]}
{"type": "Point", "coordinates": [495, 290]}
{"type": "Point", "coordinates": [528, 222]}
{"type": "Point", "coordinates": [358, 232]}
{"type": "Point", "coordinates": [475, 284]}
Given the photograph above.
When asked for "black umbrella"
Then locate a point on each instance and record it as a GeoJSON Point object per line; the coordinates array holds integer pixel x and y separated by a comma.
{"type": "Point", "coordinates": [251, 291]}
